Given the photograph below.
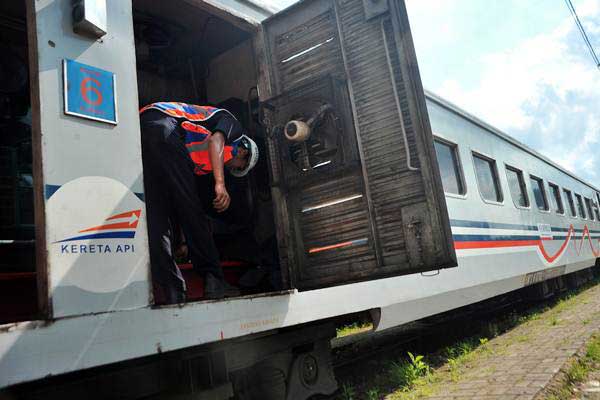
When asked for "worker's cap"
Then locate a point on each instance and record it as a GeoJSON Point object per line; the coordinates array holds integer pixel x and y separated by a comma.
{"type": "Point", "coordinates": [246, 143]}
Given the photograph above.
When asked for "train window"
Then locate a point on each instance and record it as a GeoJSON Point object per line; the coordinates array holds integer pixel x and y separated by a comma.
{"type": "Point", "coordinates": [487, 178]}
{"type": "Point", "coordinates": [570, 201]}
{"type": "Point", "coordinates": [516, 183]}
{"type": "Point", "coordinates": [596, 210]}
{"type": "Point", "coordinates": [580, 206]}
{"type": "Point", "coordinates": [588, 206]}
{"type": "Point", "coordinates": [449, 167]}
{"type": "Point", "coordinates": [539, 193]}
{"type": "Point", "coordinates": [556, 199]}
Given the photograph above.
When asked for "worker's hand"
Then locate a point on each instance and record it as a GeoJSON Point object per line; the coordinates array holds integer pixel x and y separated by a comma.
{"type": "Point", "coordinates": [222, 200]}
{"type": "Point", "coordinates": [181, 253]}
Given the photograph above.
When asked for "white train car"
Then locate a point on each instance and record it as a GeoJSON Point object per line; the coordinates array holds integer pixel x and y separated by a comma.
{"type": "Point", "coordinates": [518, 219]}
{"type": "Point", "coordinates": [358, 215]}
{"type": "Point", "coordinates": [331, 215]}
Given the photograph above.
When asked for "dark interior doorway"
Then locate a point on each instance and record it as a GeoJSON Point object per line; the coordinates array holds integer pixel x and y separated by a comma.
{"type": "Point", "coordinates": [18, 288]}
{"type": "Point", "coordinates": [187, 53]}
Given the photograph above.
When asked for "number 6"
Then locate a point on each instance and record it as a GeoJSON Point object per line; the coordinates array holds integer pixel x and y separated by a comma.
{"type": "Point", "coordinates": [86, 89]}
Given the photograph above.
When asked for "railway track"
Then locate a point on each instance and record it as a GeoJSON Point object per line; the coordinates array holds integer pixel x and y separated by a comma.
{"type": "Point", "coordinates": [355, 354]}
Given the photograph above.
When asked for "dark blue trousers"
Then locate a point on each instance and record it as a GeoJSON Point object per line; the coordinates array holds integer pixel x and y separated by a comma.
{"type": "Point", "coordinates": [172, 199]}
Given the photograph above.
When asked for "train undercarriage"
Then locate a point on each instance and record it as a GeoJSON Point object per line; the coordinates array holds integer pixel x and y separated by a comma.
{"type": "Point", "coordinates": [287, 364]}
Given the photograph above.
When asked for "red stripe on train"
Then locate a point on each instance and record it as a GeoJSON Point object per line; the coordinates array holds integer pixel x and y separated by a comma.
{"type": "Point", "coordinates": [538, 242]}
{"type": "Point", "coordinates": [495, 244]}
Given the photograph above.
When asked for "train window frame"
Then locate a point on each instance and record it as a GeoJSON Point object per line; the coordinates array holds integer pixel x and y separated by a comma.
{"type": "Point", "coordinates": [588, 207]}
{"type": "Point", "coordinates": [580, 205]}
{"type": "Point", "coordinates": [596, 209]}
{"type": "Point", "coordinates": [520, 173]}
{"type": "Point", "coordinates": [571, 202]}
{"type": "Point", "coordinates": [544, 194]}
{"type": "Point", "coordinates": [459, 166]}
{"type": "Point", "coordinates": [495, 177]}
{"type": "Point", "coordinates": [561, 204]}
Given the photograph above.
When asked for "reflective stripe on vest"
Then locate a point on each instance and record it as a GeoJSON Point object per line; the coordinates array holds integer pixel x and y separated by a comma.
{"type": "Point", "coordinates": [190, 112]}
{"type": "Point", "coordinates": [196, 136]}
{"type": "Point", "coordinates": [196, 143]}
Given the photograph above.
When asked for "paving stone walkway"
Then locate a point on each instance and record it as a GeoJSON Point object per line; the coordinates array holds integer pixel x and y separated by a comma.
{"type": "Point", "coordinates": [521, 362]}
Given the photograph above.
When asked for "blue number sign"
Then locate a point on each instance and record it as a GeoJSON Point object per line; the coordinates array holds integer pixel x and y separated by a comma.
{"type": "Point", "coordinates": [90, 92]}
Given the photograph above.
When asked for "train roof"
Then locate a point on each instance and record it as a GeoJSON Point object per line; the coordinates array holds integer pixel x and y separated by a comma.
{"type": "Point", "coordinates": [251, 11]}
{"type": "Point", "coordinates": [504, 136]}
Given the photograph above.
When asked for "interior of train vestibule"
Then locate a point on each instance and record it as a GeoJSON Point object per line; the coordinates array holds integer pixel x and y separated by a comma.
{"type": "Point", "coordinates": [18, 285]}
{"type": "Point", "coordinates": [187, 53]}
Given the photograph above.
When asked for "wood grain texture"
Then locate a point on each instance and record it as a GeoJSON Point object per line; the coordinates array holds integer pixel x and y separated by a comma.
{"type": "Point", "coordinates": [398, 212]}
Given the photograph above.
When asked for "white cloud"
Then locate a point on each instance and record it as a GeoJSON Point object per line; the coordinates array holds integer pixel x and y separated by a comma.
{"type": "Point", "coordinates": [545, 91]}
{"type": "Point", "coordinates": [431, 7]}
{"type": "Point", "coordinates": [592, 132]}
{"type": "Point", "coordinates": [518, 77]}
{"type": "Point", "coordinates": [587, 8]}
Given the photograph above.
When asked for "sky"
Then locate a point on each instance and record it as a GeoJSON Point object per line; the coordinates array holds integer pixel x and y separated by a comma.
{"type": "Point", "coordinates": [520, 65]}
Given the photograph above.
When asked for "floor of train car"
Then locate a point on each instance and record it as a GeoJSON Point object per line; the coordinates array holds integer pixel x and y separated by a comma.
{"type": "Point", "coordinates": [18, 282]}
{"type": "Point", "coordinates": [250, 266]}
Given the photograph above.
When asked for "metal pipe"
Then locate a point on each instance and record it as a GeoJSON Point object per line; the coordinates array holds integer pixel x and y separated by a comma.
{"type": "Point", "coordinates": [396, 98]}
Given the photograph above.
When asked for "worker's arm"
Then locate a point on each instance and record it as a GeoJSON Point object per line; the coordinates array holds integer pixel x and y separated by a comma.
{"type": "Point", "coordinates": [216, 145]}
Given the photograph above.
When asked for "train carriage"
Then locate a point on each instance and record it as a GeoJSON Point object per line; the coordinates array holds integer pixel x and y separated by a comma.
{"type": "Point", "coordinates": [369, 213]}
{"type": "Point", "coordinates": [507, 200]}
{"type": "Point", "coordinates": [518, 220]}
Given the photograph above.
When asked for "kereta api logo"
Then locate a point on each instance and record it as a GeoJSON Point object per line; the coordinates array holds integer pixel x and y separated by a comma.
{"type": "Point", "coordinates": [118, 226]}
{"type": "Point", "coordinates": [97, 228]}
{"type": "Point", "coordinates": [121, 226]}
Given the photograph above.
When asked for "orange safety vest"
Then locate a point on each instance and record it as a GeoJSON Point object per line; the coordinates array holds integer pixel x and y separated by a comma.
{"type": "Point", "coordinates": [196, 136]}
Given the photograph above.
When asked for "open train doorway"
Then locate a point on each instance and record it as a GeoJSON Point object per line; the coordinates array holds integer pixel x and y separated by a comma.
{"type": "Point", "coordinates": [18, 286]}
{"type": "Point", "coordinates": [192, 54]}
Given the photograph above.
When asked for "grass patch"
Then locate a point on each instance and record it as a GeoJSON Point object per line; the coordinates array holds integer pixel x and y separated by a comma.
{"type": "Point", "coordinates": [581, 367]}
{"type": "Point", "coordinates": [353, 329]}
{"type": "Point", "coordinates": [523, 338]}
{"type": "Point", "coordinates": [404, 373]}
{"type": "Point", "coordinates": [347, 392]}
{"type": "Point", "coordinates": [593, 350]}
{"type": "Point", "coordinates": [373, 394]}
{"type": "Point", "coordinates": [417, 377]}
{"type": "Point", "coordinates": [410, 376]}
{"type": "Point", "coordinates": [578, 371]}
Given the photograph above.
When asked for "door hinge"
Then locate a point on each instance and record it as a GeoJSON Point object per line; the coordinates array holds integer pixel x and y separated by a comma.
{"type": "Point", "coordinates": [374, 8]}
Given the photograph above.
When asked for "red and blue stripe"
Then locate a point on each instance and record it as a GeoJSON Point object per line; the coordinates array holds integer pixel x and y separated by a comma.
{"type": "Point", "coordinates": [489, 241]}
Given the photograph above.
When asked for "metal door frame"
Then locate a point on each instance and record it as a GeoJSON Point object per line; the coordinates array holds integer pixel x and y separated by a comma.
{"type": "Point", "coordinates": [41, 261]}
